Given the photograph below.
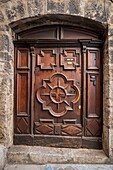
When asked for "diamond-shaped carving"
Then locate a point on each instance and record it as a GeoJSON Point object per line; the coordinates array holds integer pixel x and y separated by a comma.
{"type": "Point", "coordinates": [93, 128]}
{"type": "Point", "coordinates": [72, 130]}
{"type": "Point", "coordinates": [22, 125]}
{"type": "Point", "coordinates": [43, 128]}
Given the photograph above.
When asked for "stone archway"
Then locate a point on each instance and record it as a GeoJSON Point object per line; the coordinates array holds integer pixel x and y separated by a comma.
{"type": "Point", "coordinates": [26, 24]}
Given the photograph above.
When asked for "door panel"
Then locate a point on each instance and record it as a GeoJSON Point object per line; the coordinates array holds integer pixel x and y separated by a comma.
{"type": "Point", "coordinates": [58, 93]}
{"type": "Point", "coordinates": [93, 59]}
{"type": "Point", "coordinates": [23, 93]}
{"type": "Point", "coordinates": [22, 84]}
{"type": "Point", "coordinates": [93, 97]}
{"type": "Point", "coordinates": [93, 116]}
{"type": "Point", "coordinates": [93, 127]}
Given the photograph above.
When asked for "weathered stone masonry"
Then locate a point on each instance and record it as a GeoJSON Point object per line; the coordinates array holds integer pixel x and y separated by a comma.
{"type": "Point", "coordinates": [13, 11]}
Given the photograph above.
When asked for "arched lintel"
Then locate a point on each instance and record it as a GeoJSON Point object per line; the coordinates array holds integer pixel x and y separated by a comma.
{"type": "Point", "coordinates": [27, 24]}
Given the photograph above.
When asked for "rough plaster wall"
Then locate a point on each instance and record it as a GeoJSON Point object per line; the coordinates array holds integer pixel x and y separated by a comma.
{"type": "Point", "coordinates": [13, 10]}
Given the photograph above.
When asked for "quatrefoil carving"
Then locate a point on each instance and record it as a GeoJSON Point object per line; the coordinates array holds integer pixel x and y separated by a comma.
{"type": "Point", "coordinates": [58, 94]}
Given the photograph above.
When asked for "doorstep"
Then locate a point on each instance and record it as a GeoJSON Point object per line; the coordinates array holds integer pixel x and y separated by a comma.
{"type": "Point", "coordinates": [49, 155]}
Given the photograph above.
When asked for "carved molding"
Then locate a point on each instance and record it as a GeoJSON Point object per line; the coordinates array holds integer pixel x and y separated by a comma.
{"type": "Point", "coordinates": [58, 129]}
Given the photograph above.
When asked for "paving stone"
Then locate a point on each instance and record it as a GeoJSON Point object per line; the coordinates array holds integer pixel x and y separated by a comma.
{"type": "Point", "coordinates": [69, 168]}
{"type": "Point", "coordinates": [48, 168]}
{"type": "Point", "coordinates": [60, 167]}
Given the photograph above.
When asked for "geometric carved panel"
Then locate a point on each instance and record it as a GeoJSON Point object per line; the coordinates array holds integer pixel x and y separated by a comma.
{"type": "Point", "coordinates": [23, 93]}
{"type": "Point", "coordinates": [93, 59]}
{"type": "Point", "coordinates": [46, 59]}
{"type": "Point", "coordinates": [93, 97]}
{"type": "Point", "coordinates": [58, 94]}
{"type": "Point", "coordinates": [93, 127]}
{"type": "Point", "coordinates": [23, 59]}
{"type": "Point", "coordinates": [73, 130]}
{"type": "Point", "coordinates": [58, 129]}
{"type": "Point", "coordinates": [70, 59]}
{"type": "Point", "coordinates": [22, 125]}
{"type": "Point", "coordinates": [41, 128]}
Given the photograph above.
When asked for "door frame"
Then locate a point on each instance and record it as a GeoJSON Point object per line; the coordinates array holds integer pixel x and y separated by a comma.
{"type": "Point", "coordinates": [34, 140]}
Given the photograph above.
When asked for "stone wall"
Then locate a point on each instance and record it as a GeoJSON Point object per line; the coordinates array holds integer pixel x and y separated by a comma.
{"type": "Point", "coordinates": [16, 10]}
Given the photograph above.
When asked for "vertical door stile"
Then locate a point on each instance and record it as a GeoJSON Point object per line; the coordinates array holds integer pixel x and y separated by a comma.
{"type": "Point", "coordinates": [84, 87]}
{"type": "Point", "coordinates": [15, 94]}
{"type": "Point", "coordinates": [33, 59]}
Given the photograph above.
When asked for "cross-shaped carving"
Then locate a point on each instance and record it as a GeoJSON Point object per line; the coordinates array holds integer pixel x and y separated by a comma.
{"type": "Point", "coordinates": [70, 59]}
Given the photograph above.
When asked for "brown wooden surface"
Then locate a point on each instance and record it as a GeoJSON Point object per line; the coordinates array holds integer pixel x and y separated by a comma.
{"type": "Point", "coordinates": [58, 90]}
{"type": "Point", "coordinates": [22, 84]}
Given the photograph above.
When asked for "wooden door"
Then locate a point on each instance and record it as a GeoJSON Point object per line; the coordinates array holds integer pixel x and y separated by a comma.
{"type": "Point", "coordinates": [58, 92]}
{"type": "Point", "coordinates": [58, 96]}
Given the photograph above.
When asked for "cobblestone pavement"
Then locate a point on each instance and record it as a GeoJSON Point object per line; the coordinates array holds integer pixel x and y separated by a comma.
{"type": "Point", "coordinates": [60, 167]}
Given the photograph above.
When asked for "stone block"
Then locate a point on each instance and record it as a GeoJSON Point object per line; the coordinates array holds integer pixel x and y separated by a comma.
{"type": "Point", "coordinates": [108, 116]}
{"type": "Point", "coordinates": [111, 142]}
{"type": "Point", "coordinates": [110, 31]}
{"type": "Point", "coordinates": [111, 55]}
{"type": "Point", "coordinates": [54, 6]}
{"type": "Point", "coordinates": [35, 7]}
{"type": "Point", "coordinates": [1, 16]}
{"type": "Point", "coordinates": [20, 8]}
{"type": "Point", "coordinates": [4, 28]}
{"type": "Point", "coordinates": [49, 155]}
{"type": "Point", "coordinates": [74, 6]}
{"type": "Point", "coordinates": [96, 10]}
{"type": "Point", "coordinates": [60, 167]}
{"type": "Point", "coordinates": [22, 167]}
{"type": "Point", "coordinates": [14, 10]}
{"type": "Point", "coordinates": [6, 130]}
{"type": "Point", "coordinates": [111, 43]}
{"type": "Point", "coordinates": [4, 1]}
{"type": "Point", "coordinates": [2, 156]}
{"type": "Point", "coordinates": [105, 139]}
{"type": "Point", "coordinates": [106, 113]}
{"type": "Point", "coordinates": [5, 57]}
{"type": "Point", "coordinates": [6, 110]}
{"type": "Point", "coordinates": [111, 19]}
{"type": "Point", "coordinates": [105, 72]}
{"type": "Point", "coordinates": [4, 43]}
{"type": "Point", "coordinates": [3, 131]}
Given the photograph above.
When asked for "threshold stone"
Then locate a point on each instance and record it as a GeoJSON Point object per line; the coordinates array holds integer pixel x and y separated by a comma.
{"type": "Point", "coordinates": [50, 155]}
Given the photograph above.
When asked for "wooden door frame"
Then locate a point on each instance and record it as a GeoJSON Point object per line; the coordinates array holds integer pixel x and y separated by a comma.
{"type": "Point", "coordinates": [34, 140]}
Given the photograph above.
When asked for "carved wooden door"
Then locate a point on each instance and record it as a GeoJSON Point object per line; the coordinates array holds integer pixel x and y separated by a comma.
{"type": "Point", "coordinates": [58, 96]}
{"type": "Point", "coordinates": [58, 91]}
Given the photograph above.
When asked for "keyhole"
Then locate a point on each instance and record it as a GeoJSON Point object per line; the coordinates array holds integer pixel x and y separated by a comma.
{"type": "Point", "coordinates": [95, 61]}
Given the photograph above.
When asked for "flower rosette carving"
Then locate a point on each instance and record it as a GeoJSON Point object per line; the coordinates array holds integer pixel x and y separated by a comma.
{"type": "Point", "coordinates": [58, 94]}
